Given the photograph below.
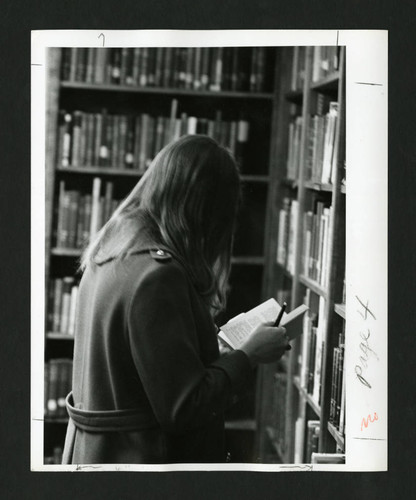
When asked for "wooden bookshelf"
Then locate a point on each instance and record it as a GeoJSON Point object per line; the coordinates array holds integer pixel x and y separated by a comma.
{"type": "Point", "coordinates": [307, 397]}
{"type": "Point", "coordinates": [258, 174]}
{"type": "Point", "coordinates": [59, 336]}
{"type": "Point", "coordinates": [300, 113]}
{"type": "Point", "coordinates": [167, 91]}
{"type": "Point", "coordinates": [339, 438]}
{"type": "Point", "coordinates": [340, 310]}
{"type": "Point", "coordinates": [123, 172]}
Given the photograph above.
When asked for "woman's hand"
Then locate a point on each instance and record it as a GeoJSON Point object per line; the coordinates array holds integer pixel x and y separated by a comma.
{"type": "Point", "coordinates": [266, 344]}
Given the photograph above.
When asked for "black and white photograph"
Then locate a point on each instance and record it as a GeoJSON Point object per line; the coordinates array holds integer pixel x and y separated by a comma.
{"type": "Point", "coordinates": [211, 278]}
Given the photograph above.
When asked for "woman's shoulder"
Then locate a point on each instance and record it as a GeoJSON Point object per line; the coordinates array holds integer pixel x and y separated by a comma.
{"type": "Point", "coordinates": [156, 265]}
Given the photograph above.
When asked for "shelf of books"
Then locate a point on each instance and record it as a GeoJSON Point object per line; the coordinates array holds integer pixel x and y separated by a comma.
{"type": "Point", "coordinates": [109, 112]}
{"type": "Point", "coordinates": [301, 402]}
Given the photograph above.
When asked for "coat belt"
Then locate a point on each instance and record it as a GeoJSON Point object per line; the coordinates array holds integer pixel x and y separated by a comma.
{"type": "Point", "coordinates": [109, 420]}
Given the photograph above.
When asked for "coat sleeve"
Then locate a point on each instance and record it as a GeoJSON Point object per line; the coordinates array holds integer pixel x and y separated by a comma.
{"type": "Point", "coordinates": [183, 393]}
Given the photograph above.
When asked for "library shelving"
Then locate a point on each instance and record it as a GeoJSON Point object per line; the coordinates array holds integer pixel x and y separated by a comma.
{"type": "Point", "coordinates": [281, 111]}
{"type": "Point", "coordinates": [300, 403]}
{"type": "Point", "coordinates": [108, 112]}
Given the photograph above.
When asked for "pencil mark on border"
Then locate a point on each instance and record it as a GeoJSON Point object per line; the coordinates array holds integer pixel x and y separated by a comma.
{"type": "Point", "coordinates": [366, 83]}
{"type": "Point", "coordinates": [371, 439]}
{"type": "Point", "coordinates": [300, 467]}
{"type": "Point", "coordinates": [102, 34]}
{"type": "Point", "coordinates": [36, 64]}
{"type": "Point", "coordinates": [83, 467]}
{"type": "Point", "coordinates": [337, 37]}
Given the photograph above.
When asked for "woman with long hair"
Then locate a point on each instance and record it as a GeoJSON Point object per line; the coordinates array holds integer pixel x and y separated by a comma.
{"type": "Point", "coordinates": [149, 385]}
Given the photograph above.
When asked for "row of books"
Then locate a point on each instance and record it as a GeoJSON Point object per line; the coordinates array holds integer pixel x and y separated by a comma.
{"type": "Point", "coordinates": [302, 453]}
{"type": "Point", "coordinates": [62, 301]}
{"type": "Point", "coordinates": [325, 61]}
{"type": "Point", "coordinates": [288, 217]}
{"type": "Point", "coordinates": [337, 402]}
{"type": "Point", "coordinates": [196, 68]}
{"type": "Point", "coordinates": [80, 216]}
{"type": "Point", "coordinates": [277, 417]}
{"type": "Point", "coordinates": [58, 382]}
{"type": "Point", "coordinates": [320, 154]}
{"type": "Point", "coordinates": [309, 454]}
{"type": "Point", "coordinates": [315, 251]}
{"type": "Point", "coordinates": [312, 347]}
{"type": "Point", "coordinates": [131, 142]}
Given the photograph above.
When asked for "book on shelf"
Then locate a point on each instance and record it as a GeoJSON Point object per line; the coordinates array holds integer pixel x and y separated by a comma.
{"type": "Point", "coordinates": [314, 257]}
{"type": "Point", "coordinates": [312, 439]}
{"type": "Point", "coordinates": [294, 148]}
{"type": "Point", "coordinates": [283, 232]}
{"type": "Point", "coordinates": [239, 328]}
{"type": "Point", "coordinates": [81, 215]}
{"type": "Point", "coordinates": [299, 440]}
{"type": "Point", "coordinates": [312, 346]}
{"type": "Point", "coordinates": [298, 68]}
{"type": "Point", "coordinates": [62, 298]}
{"type": "Point", "coordinates": [337, 402]}
{"type": "Point", "coordinates": [292, 240]}
{"type": "Point", "coordinates": [197, 68]}
{"type": "Point", "coordinates": [132, 141]}
{"type": "Point", "coordinates": [321, 152]}
{"type": "Point", "coordinates": [327, 458]}
{"type": "Point", "coordinates": [325, 62]}
{"type": "Point", "coordinates": [58, 382]}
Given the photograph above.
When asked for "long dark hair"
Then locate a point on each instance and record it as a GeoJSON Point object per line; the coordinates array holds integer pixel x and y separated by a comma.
{"type": "Point", "coordinates": [187, 201]}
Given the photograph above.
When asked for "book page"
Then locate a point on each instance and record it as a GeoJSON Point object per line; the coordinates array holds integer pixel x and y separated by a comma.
{"type": "Point", "coordinates": [238, 329]}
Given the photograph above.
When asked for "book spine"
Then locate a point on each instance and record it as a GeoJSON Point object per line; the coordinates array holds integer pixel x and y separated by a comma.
{"type": "Point", "coordinates": [151, 67]}
{"type": "Point", "coordinates": [338, 394]}
{"type": "Point", "coordinates": [242, 144]}
{"type": "Point", "coordinates": [159, 67]}
{"type": "Point", "coordinates": [150, 141]}
{"type": "Point", "coordinates": [52, 396]}
{"type": "Point", "coordinates": [66, 64]}
{"type": "Point", "coordinates": [167, 68]}
{"type": "Point", "coordinates": [73, 64]}
{"type": "Point", "coordinates": [144, 59]}
{"type": "Point", "coordinates": [197, 69]}
{"type": "Point", "coordinates": [115, 66]}
{"type": "Point", "coordinates": [123, 65]}
{"type": "Point", "coordinates": [136, 66]}
{"type": "Point", "coordinates": [80, 223]}
{"type": "Point", "coordinates": [66, 141]}
{"type": "Point", "coordinates": [57, 305]}
{"type": "Point", "coordinates": [253, 72]}
{"type": "Point", "coordinates": [144, 125]}
{"type": "Point", "coordinates": [95, 207]}
{"type": "Point", "coordinates": [66, 303]}
{"type": "Point", "coordinates": [72, 310]}
{"type": "Point", "coordinates": [205, 63]}
{"type": "Point", "coordinates": [122, 142]}
{"type": "Point", "coordinates": [189, 71]}
{"type": "Point", "coordinates": [72, 218]}
{"type": "Point", "coordinates": [89, 75]}
{"type": "Point", "coordinates": [333, 385]}
{"type": "Point", "coordinates": [115, 140]}
{"type": "Point", "coordinates": [87, 219]}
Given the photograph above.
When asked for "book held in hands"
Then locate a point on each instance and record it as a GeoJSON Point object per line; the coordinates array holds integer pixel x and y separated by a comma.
{"type": "Point", "coordinates": [239, 328]}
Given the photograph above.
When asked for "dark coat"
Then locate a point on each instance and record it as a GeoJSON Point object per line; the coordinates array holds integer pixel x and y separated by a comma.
{"type": "Point", "coordinates": [148, 385]}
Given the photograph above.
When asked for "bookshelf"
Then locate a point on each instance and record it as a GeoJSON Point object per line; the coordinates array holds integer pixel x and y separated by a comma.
{"type": "Point", "coordinates": [300, 401]}
{"type": "Point", "coordinates": [142, 98]}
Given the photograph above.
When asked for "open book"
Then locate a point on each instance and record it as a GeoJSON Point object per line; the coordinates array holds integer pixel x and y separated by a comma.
{"type": "Point", "coordinates": [238, 329]}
